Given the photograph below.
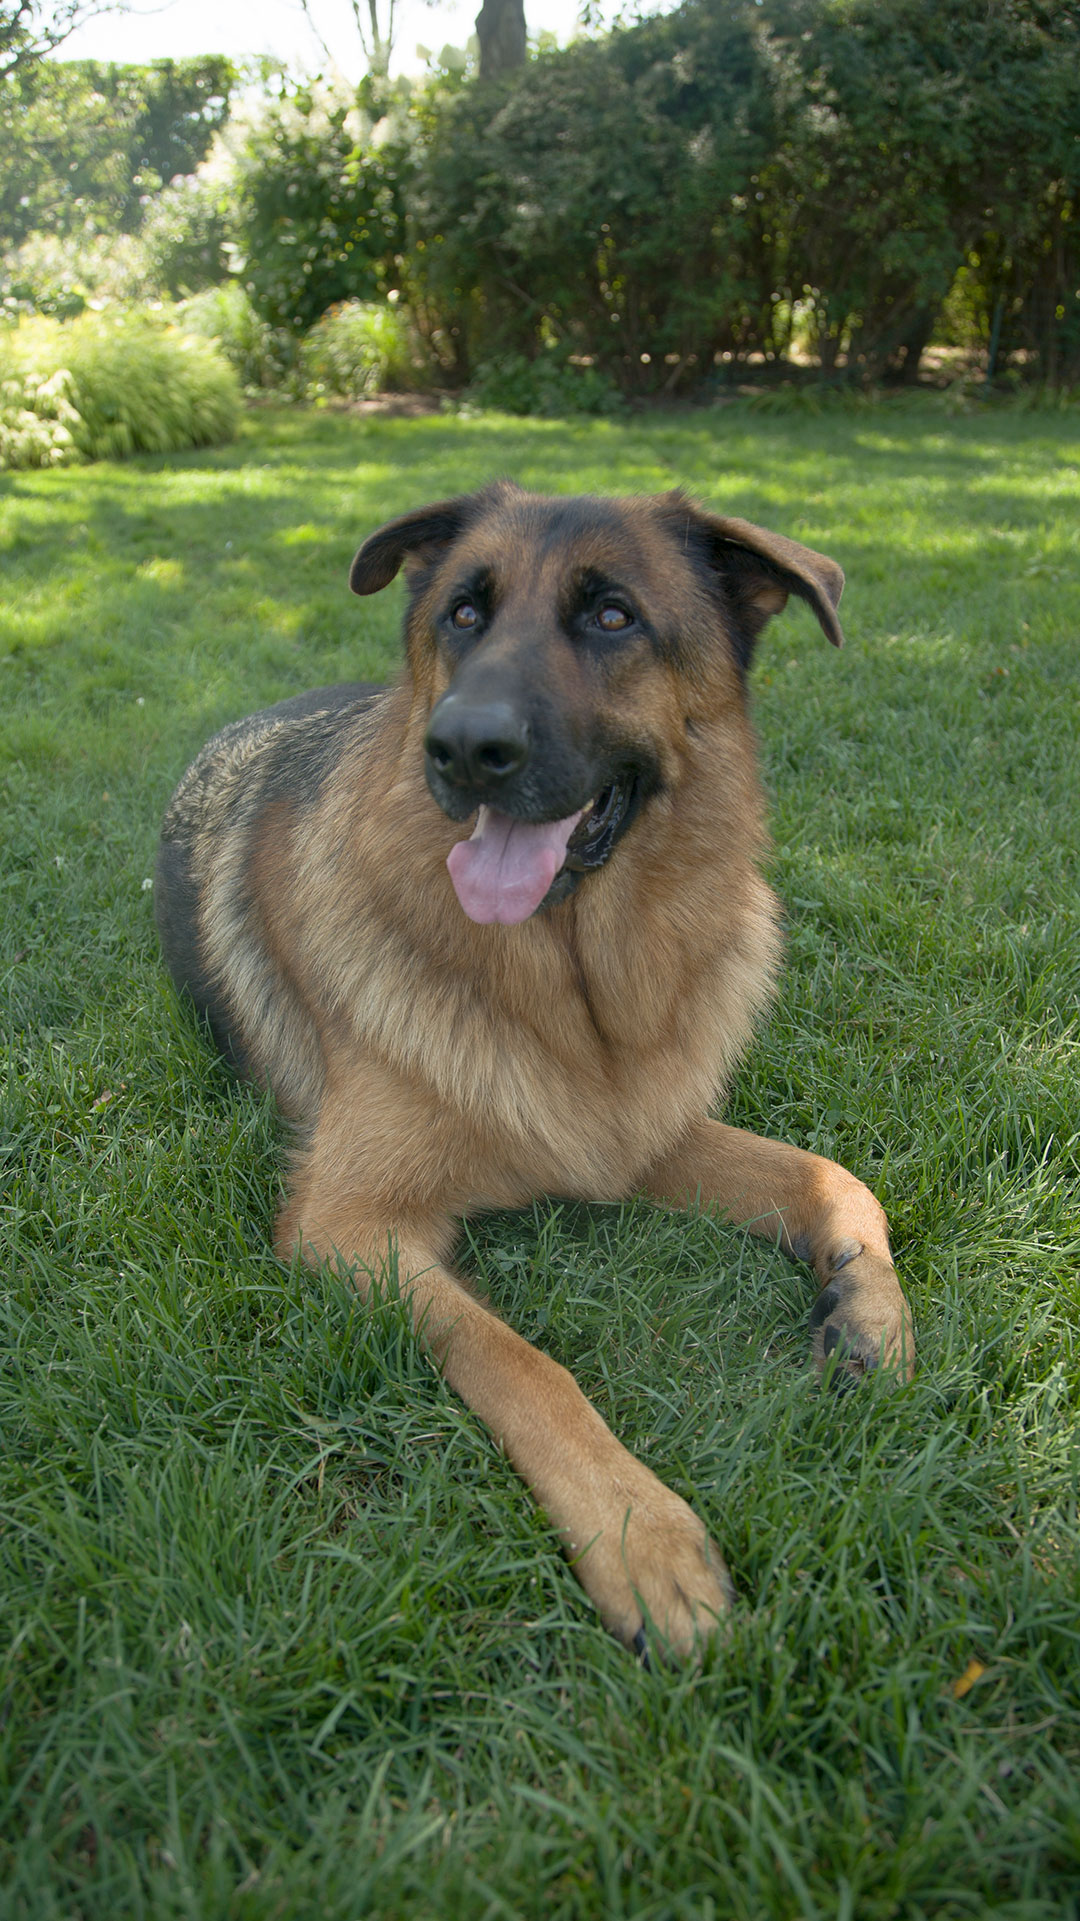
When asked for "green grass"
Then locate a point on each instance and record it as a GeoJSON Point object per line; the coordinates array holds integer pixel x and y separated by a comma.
{"type": "Point", "coordinates": [282, 1635]}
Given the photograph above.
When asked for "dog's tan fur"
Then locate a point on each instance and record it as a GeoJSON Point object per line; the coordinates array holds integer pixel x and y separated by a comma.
{"type": "Point", "coordinates": [439, 1068]}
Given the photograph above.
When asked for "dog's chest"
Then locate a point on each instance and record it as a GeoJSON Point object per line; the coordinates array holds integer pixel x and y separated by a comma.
{"type": "Point", "coordinates": [541, 1078]}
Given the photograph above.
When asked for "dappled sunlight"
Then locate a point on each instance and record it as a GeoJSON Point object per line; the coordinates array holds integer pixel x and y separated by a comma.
{"type": "Point", "coordinates": [945, 535]}
{"type": "Point", "coordinates": [162, 573]}
{"type": "Point", "coordinates": [303, 536]}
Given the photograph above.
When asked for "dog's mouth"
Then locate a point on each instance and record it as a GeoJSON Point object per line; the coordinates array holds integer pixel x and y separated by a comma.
{"type": "Point", "coordinates": [600, 824]}
{"type": "Point", "coordinates": [509, 867]}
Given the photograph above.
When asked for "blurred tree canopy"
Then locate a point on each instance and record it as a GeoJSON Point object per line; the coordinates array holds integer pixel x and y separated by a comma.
{"type": "Point", "coordinates": [86, 145]}
{"type": "Point", "coordinates": [29, 29]}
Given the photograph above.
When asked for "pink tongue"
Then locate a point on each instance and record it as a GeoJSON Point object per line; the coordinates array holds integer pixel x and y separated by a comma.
{"type": "Point", "coordinates": [504, 871]}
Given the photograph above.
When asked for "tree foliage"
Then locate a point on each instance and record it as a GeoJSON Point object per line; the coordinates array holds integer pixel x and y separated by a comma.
{"type": "Point", "coordinates": [589, 199]}
{"type": "Point", "coordinates": [87, 145]}
{"type": "Point", "coordinates": [30, 29]}
{"type": "Point", "coordinates": [702, 184]}
{"type": "Point", "coordinates": [725, 182]}
{"type": "Point", "coordinates": [922, 135]}
{"type": "Point", "coordinates": [319, 208]}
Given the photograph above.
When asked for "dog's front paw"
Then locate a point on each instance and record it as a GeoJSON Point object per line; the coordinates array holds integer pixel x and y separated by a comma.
{"type": "Point", "coordinates": [657, 1580]}
{"type": "Point", "coordinates": [862, 1318]}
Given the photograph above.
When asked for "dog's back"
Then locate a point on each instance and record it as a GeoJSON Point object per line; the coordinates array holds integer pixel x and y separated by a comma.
{"type": "Point", "coordinates": [284, 751]}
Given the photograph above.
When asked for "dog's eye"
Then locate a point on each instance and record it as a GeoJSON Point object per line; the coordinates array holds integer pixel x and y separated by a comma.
{"type": "Point", "coordinates": [612, 618]}
{"type": "Point", "coordinates": [465, 614]}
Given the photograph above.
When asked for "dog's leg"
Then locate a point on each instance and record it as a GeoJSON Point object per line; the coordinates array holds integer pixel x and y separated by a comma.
{"type": "Point", "coordinates": [820, 1213]}
{"type": "Point", "coordinates": [641, 1554]}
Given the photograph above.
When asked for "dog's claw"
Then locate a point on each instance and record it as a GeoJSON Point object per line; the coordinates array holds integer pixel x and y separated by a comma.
{"type": "Point", "coordinates": [851, 1364]}
{"type": "Point", "coordinates": [844, 1380]}
{"type": "Point", "coordinates": [640, 1645]}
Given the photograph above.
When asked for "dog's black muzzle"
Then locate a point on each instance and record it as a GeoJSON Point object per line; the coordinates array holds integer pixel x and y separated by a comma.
{"type": "Point", "coordinates": [491, 743]}
{"type": "Point", "coordinates": [485, 748]}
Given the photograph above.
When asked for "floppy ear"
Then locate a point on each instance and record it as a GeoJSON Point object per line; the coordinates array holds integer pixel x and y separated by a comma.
{"type": "Point", "coordinates": [420, 533]}
{"type": "Point", "coordinates": [758, 570]}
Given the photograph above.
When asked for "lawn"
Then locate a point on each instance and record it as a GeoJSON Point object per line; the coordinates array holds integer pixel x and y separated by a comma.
{"type": "Point", "coordinates": [282, 1635]}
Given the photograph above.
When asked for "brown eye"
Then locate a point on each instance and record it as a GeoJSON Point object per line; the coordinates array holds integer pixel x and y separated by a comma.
{"type": "Point", "coordinates": [465, 614]}
{"type": "Point", "coordinates": [612, 618]}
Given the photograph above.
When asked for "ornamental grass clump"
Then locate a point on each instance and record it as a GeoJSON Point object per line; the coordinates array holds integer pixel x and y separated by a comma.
{"type": "Point", "coordinates": [259, 354]}
{"type": "Point", "coordinates": [131, 383]}
{"type": "Point", "coordinates": [36, 415]}
{"type": "Point", "coordinates": [362, 347]}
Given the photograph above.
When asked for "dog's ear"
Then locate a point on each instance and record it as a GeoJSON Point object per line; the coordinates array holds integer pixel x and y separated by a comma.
{"type": "Point", "coordinates": [418, 535]}
{"type": "Point", "coordinates": [758, 570]}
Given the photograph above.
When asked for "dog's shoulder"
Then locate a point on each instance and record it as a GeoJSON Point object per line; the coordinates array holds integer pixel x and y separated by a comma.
{"type": "Point", "coordinates": [284, 752]}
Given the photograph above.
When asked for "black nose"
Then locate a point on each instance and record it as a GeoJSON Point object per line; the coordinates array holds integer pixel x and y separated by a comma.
{"type": "Point", "coordinates": [476, 744]}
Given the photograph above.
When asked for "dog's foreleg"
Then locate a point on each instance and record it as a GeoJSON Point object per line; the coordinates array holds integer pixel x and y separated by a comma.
{"type": "Point", "coordinates": [820, 1213]}
{"type": "Point", "coordinates": [641, 1554]}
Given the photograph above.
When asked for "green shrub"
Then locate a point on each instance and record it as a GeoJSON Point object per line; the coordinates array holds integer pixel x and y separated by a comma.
{"type": "Point", "coordinates": [594, 201]}
{"type": "Point", "coordinates": [59, 276]}
{"type": "Point", "coordinates": [363, 347]}
{"type": "Point", "coordinates": [319, 215]}
{"type": "Point", "coordinates": [259, 354]}
{"type": "Point", "coordinates": [134, 384]}
{"type": "Point", "coordinates": [548, 385]}
{"type": "Point", "coordinates": [140, 386]}
{"type": "Point", "coordinates": [185, 235]}
{"type": "Point", "coordinates": [747, 178]}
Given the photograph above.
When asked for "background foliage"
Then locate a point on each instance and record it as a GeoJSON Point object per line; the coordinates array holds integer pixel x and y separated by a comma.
{"type": "Point", "coordinates": [85, 146]}
{"type": "Point", "coordinates": [712, 181]}
{"type": "Point", "coordinates": [806, 186]}
{"type": "Point", "coordinates": [318, 211]}
{"type": "Point", "coordinates": [105, 386]}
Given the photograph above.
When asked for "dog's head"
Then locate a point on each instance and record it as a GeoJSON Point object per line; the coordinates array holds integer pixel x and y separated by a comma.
{"type": "Point", "coordinates": [562, 646]}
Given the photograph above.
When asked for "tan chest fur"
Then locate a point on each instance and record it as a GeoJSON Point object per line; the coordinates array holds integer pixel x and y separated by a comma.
{"type": "Point", "coordinates": [576, 1046]}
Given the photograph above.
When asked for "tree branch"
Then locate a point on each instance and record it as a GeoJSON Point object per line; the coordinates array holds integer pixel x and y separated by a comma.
{"type": "Point", "coordinates": [30, 29]}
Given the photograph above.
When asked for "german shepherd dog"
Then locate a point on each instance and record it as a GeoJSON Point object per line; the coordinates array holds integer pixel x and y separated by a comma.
{"type": "Point", "coordinates": [498, 931]}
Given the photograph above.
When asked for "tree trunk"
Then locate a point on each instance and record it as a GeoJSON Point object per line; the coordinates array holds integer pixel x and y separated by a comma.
{"type": "Point", "coordinates": [915, 342]}
{"type": "Point", "coordinates": [500, 29]}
